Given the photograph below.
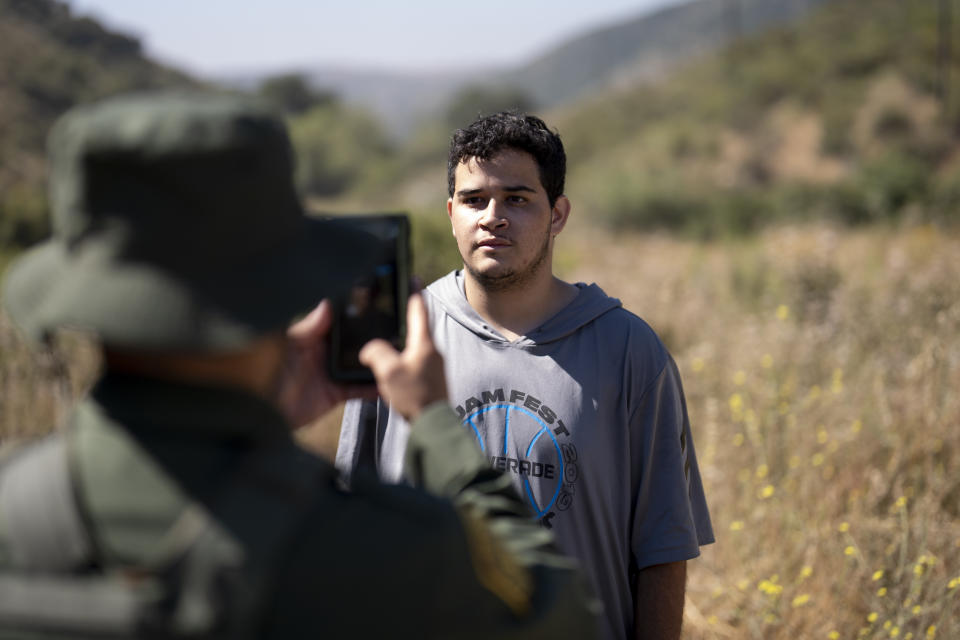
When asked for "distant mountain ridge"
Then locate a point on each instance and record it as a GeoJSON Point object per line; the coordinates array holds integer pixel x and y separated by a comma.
{"type": "Point", "coordinates": [648, 45]}
{"type": "Point", "coordinates": [636, 49]}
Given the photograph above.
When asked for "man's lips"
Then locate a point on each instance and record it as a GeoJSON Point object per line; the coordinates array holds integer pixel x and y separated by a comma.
{"type": "Point", "coordinates": [493, 243]}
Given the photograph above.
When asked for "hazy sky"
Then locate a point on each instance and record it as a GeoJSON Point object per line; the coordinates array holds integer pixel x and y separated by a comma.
{"type": "Point", "coordinates": [218, 36]}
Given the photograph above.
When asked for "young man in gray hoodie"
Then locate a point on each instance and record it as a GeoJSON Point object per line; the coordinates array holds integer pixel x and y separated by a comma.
{"type": "Point", "coordinates": [574, 397]}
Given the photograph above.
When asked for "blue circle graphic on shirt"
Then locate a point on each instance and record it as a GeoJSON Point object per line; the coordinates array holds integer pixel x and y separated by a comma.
{"type": "Point", "coordinates": [522, 430]}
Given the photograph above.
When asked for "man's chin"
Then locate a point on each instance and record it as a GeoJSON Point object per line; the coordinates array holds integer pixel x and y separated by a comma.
{"type": "Point", "coordinates": [495, 279]}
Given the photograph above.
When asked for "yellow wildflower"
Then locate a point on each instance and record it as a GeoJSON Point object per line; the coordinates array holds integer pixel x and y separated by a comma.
{"type": "Point", "coordinates": [849, 551]}
{"type": "Point", "coordinates": [844, 527]}
{"type": "Point", "coordinates": [932, 631]}
{"type": "Point", "coordinates": [762, 471]}
{"type": "Point", "coordinates": [833, 635]}
{"type": "Point", "coordinates": [872, 617]}
{"type": "Point", "coordinates": [739, 378]}
{"type": "Point", "coordinates": [736, 405]}
{"type": "Point", "coordinates": [767, 491]}
{"type": "Point", "coordinates": [698, 365]}
{"type": "Point", "coordinates": [881, 592]}
{"type": "Point", "coordinates": [736, 525]}
{"type": "Point", "coordinates": [806, 572]}
{"type": "Point", "coordinates": [783, 312]}
{"type": "Point", "coordinates": [877, 575]}
{"type": "Point", "coordinates": [800, 600]}
{"type": "Point", "coordinates": [836, 384]}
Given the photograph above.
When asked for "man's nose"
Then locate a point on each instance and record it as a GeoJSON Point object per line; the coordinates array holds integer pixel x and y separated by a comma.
{"type": "Point", "coordinates": [493, 216]}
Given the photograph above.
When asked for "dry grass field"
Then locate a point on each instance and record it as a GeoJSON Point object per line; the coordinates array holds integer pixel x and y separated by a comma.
{"type": "Point", "coordinates": [822, 372]}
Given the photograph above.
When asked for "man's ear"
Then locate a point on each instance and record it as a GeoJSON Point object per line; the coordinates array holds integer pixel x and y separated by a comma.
{"type": "Point", "coordinates": [450, 216]}
{"type": "Point", "coordinates": [559, 215]}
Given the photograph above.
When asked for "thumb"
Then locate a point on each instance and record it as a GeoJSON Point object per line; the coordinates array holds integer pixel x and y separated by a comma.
{"type": "Point", "coordinates": [317, 322]}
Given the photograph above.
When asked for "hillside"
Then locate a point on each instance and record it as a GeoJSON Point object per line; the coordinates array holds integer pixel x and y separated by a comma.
{"type": "Point", "coordinates": [51, 60]}
{"type": "Point", "coordinates": [642, 47]}
{"type": "Point", "coordinates": [837, 116]}
{"type": "Point", "coordinates": [648, 46]}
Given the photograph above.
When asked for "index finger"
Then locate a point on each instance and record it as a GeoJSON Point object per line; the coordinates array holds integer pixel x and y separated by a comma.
{"type": "Point", "coordinates": [418, 324]}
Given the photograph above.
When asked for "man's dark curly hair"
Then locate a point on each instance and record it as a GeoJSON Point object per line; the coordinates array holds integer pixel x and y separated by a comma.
{"type": "Point", "coordinates": [489, 135]}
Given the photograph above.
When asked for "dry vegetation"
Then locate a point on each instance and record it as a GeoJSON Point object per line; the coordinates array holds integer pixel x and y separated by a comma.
{"type": "Point", "coordinates": [821, 369]}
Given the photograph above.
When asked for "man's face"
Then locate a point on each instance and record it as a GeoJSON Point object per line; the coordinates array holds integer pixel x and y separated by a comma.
{"type": "Point", "coordinates": [502, 219]}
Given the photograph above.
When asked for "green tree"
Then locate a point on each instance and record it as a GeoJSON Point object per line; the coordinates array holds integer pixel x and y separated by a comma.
{"type": "Point", "coordinates": [337, 146]}
{"type": "Point", "coordinates": [292, 94]}
{"type": "Point", "coordinates": [480, 100]}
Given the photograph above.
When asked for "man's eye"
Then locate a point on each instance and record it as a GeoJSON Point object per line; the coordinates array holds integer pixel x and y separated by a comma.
{"type": "Point", "coordinates": [473, 201]}
{"type": "Point", "coordinates": [517, 200]}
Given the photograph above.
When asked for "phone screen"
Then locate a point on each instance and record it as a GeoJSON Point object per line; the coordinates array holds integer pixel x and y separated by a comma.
{"type": "Point", "coordinates": [375, 306]}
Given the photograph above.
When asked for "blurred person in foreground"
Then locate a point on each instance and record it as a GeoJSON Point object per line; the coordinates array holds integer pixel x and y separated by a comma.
{"type": "Point", "coordinates": [174, 502]}
{"type": "Point", "coordinates": [574, 397]}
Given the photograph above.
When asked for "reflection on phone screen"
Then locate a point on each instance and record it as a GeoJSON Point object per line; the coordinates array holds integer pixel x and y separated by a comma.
{"type": "Point", "coordinates": [369, 312]}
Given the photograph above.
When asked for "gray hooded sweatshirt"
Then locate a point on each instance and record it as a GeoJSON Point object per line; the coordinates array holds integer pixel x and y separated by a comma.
{"type": "Point", "coordinates": [586, 414]}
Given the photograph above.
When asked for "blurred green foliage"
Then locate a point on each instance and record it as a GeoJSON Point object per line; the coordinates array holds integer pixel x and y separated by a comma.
{"type": "Point", "coordinates": [483, 100]}
{"type": "Point", "coordinates": [51, 60]}
{"type": "Point", "coordinates": [434, 250]}
{"type": "Point", "coordinates": [338, 148]}
{"type": "Point", "coordinates": [713, 149]}
{"type": "Point", "coordinates": [833, 117]}
{"type": "Point", "coordinates": [291, 94]}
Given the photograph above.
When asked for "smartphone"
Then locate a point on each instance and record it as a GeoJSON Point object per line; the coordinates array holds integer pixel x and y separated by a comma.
{"type": "Point", "coordinates": [376, 304]}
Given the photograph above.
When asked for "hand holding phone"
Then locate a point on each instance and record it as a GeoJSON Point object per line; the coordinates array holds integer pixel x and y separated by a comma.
{"type": "Point", "coordinates": [413, 379]}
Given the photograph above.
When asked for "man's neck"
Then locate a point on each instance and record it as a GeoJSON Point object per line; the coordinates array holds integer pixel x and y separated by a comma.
{"type": "Point", "coordinates": [516, 311]}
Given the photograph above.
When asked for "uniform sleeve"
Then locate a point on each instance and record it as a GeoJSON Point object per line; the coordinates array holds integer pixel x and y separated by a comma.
{"type": "Point", "coordinates": [512, 556]}
{"type": "Point", "coordinates": [670, 520]}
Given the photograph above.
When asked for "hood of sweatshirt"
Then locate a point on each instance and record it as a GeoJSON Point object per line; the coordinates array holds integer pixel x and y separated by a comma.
{"type": "Point", "coordinates": [447, 295]}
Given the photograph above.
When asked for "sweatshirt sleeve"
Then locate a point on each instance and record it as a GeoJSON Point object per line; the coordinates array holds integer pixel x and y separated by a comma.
{"type": "Point", "coordinates": [671, 520]}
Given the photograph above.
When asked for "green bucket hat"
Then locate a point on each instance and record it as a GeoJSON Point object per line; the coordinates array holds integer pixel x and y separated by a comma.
{"type": "Point", "coordinates": [176, 226]}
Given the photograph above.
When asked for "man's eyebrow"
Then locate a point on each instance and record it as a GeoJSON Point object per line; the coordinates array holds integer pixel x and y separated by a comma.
{"type": "Point", "coordinates": [510, 188]}
{"type": "Point", "coordinates": [519, 187]}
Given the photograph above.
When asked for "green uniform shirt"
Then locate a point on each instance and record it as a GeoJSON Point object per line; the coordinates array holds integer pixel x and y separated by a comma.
{"type": "Point", "coordinates": [461, 559]}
